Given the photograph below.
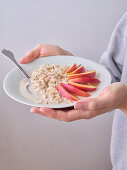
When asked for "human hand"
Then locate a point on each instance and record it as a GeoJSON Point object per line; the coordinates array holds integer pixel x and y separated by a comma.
{"type": "Point", "coordinates": [43, 50]}
{"type": "Point", "coordinates": [112, 97]}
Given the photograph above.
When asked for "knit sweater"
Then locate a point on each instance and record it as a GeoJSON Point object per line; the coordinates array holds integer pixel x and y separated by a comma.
{"type": "Point", "coordinates": [115, 60]}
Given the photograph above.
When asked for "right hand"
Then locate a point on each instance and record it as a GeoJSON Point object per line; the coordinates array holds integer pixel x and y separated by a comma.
{"type": "Point", "coordinates": [43, 50]}
{"type": "Point", "coordinates": [114, 96]}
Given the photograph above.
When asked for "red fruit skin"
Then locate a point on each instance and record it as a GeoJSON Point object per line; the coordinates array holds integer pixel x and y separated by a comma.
{"type": "Point", "coordinates": [86, 74]}
{"type": "Point", "coordinates": [71, 68]}
{"type": "Point", "coordinates": [85, 80]}
{"type": "Point", "coordinates": [75, 90]}
{"type": "Point", "coordinates": [65, 93]}
{"type": "Point", "coordinates": [80, 69]}
{"type": "Point", "coordinates": [82, 86]}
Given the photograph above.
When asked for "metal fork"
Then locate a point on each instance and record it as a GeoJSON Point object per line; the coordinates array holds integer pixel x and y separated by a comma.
{"type": "Point", "coordinates": [10, 55]}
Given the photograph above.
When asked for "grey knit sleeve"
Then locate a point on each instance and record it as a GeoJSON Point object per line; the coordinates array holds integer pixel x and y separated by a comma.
{"type": "Point", "coordinates": [113, 57]}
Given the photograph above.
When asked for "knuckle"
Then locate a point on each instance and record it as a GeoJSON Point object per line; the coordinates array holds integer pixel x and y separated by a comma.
{"type": "Point", "coordinates": [32, 54]}
{"type": "Point", "coordinates": [66, 119]}
{"type": "Point", "coordinates": [93, 105]}
{"type": "Point", "coordinates": [38, 45]}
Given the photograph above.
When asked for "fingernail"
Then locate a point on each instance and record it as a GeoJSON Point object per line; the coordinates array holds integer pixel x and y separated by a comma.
{"type": "Point", "coordinates": [20, 60]}
{"type": "Point", "coordinates": [31, 110]}
{"type": "Point", "coordinates": [42, 109]}
{"type": "Point", "coordinates": [79, 106]}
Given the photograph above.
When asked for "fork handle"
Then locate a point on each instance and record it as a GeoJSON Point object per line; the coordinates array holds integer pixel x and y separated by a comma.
{"type": "Point", "coordinates": [21, 70]}
{"type": "Point", "coordinates": [10, 56]}
{"type": "Point", "coordinates": [19, 67]}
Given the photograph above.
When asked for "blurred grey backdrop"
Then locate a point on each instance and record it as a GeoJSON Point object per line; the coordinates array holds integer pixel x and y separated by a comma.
{"type": "Point", "coordinates": [30, 141]}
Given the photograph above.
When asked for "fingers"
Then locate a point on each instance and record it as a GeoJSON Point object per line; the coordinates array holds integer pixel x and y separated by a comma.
{"type": "Point", "coordinates": [43, 50]}
{"type": "Point", "coordinates": [35, 110]}
{"type": "Point", "coordinates": [66, 116]}
{"type": "Point", "coordinates": [31, 55]}
{"type": "Point", "coordinates": [52, 50]}
{"type": "Point", "coordinates": [86, 108]}
{"type": "Point", "coordinates": [55, 114]}
{"type": "Point", "coordinates": [100, 102]}
{"type": "Point", "coordinates": [70, 115]}
{"type": "Point", "coordinates": [86, 114]}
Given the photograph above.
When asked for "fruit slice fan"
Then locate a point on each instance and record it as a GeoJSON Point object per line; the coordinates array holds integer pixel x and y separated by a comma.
{"type": "Point", "coordinates": [80, 82]}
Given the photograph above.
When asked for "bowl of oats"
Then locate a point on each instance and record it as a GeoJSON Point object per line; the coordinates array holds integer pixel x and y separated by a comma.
{"type": "Point", "coordinates": [56, 81]}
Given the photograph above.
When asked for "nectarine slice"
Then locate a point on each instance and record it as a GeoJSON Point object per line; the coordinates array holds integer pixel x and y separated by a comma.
{"type": "Point", "coordinates": [71, 68]}
{"type": "Point", "coordinates": [78, 70]}
{"type": "Point", "coordinates": [65, 93]}
{"type": "Point", "coordinates": [75, 90]}
{"type": "Point", "coordinates": [86, 74]}
{"type": "Point", "coordinates": [83, 86]}
{"type": "Point", "coordinates": [85, 80]}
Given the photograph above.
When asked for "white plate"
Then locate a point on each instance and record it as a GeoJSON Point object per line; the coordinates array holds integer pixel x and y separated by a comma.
{"type": "Point", "coordinates": [13, 78]}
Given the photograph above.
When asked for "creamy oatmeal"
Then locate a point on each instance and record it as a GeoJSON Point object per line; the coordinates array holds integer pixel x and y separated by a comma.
{"type": "Point", "coordinates": [43, 84]}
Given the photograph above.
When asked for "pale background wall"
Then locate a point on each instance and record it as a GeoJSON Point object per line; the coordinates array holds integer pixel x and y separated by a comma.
{"type": "Point", "coordinates": [30, 141]}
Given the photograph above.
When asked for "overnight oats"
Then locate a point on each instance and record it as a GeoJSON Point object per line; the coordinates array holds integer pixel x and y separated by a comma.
{"type": "Point", "coordinates": [43, 85]}
{"type": "Point", "coordinates": [55, 84]}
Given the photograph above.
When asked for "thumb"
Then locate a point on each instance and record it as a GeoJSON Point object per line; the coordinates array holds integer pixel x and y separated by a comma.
{"type": "Point", "coordinates": [96, 103]}
{"type": "Point", "coordinates": [31, 55]}
{"type": "Point", "coordinates": [43, 50]}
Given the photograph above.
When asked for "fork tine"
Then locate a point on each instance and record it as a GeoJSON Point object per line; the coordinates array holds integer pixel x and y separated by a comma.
{"type": "Point", "coordinates": [4, 50]}
{"type": "Point", "coordinates": [7, 52]}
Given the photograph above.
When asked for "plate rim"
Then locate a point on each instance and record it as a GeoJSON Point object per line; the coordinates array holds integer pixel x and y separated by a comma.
{"type": "Point", "coordinates": [48, 105]}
